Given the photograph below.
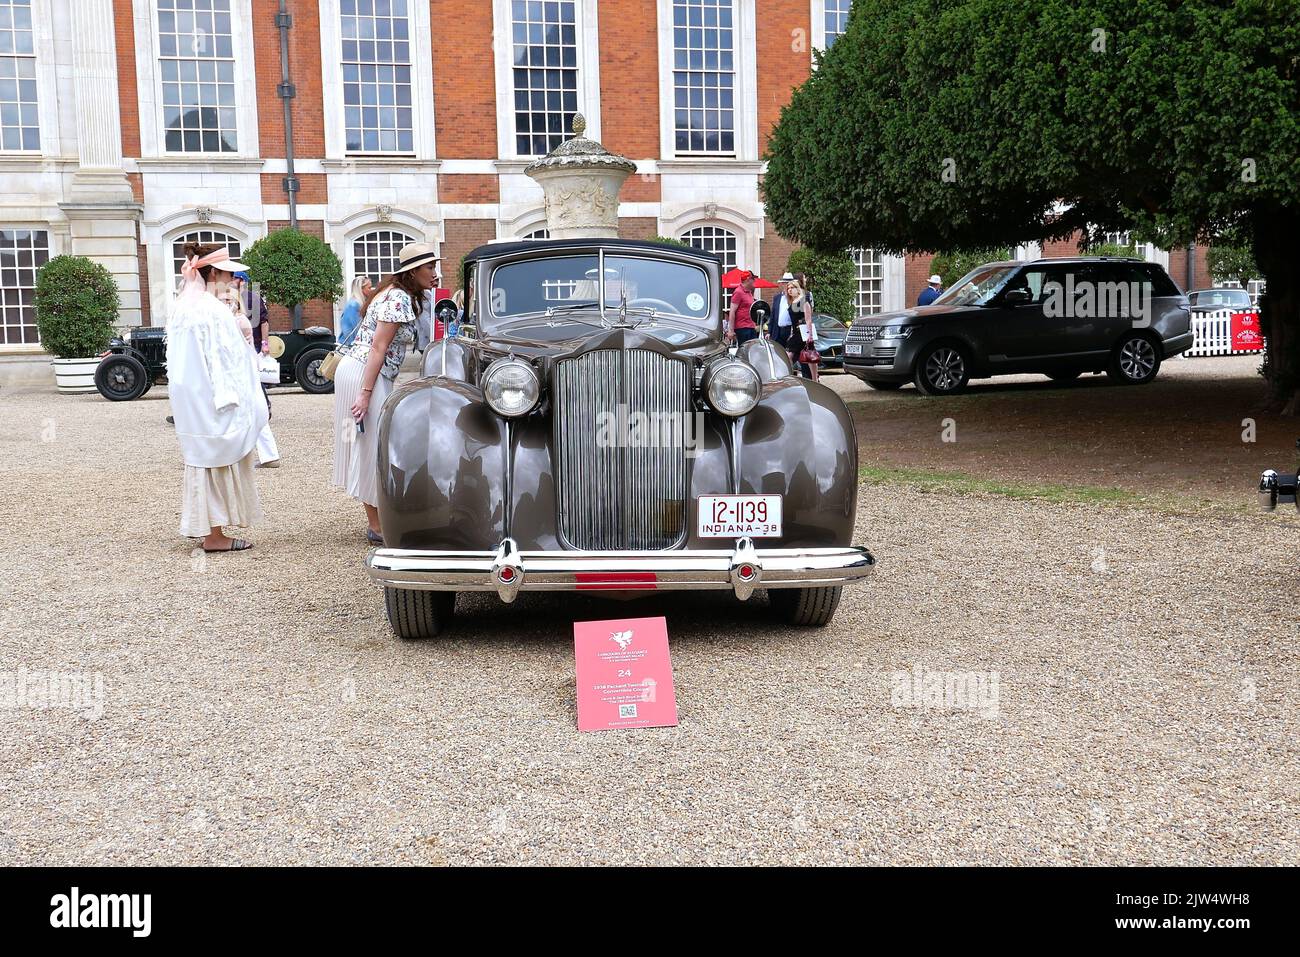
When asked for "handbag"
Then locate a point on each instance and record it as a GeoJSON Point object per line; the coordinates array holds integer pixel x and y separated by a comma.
{"type": "Point", "coordinates": [808, 355]}
{"type": "Point", "coordinates": [268, 370]}
{"type": "Point", "coordinates": [330, 364]}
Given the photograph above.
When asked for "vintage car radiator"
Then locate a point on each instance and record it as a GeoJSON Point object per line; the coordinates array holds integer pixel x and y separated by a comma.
{"type": "Point", "coordinates": [621, 418]}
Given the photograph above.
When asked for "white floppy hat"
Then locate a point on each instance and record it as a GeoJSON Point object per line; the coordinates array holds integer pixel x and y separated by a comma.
{"type": "Point", "coordinates": [936, 280]}
{"type": "Point", "coordinates": [416, 254]}
{"type": "Point", "coordinates": [787, 276]}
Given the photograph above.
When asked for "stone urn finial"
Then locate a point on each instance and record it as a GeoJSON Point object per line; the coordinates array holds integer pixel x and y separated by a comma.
{"type": "Point", "coordinates": [580, 180]}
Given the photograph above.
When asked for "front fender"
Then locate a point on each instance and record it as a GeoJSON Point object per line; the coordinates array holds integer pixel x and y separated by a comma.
{"type": "Point", "coordinates": [800, 442]}
{"type": "Point", "coordinates": [442, 455]}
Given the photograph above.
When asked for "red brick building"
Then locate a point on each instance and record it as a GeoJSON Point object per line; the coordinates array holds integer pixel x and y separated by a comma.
{"type": "Point", "coordinates": [131, 126]}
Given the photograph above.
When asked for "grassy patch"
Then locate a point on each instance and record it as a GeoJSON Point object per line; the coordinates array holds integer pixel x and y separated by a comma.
{"type": "Point", "coordinates": [960, 482]}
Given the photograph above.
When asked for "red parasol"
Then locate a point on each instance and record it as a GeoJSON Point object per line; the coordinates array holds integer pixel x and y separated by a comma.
{"type": "Point", "coordinates": [733, 278]}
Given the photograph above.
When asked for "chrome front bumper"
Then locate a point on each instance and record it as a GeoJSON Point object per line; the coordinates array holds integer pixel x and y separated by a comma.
{"type": "Point", "coordinates": [509, 571]}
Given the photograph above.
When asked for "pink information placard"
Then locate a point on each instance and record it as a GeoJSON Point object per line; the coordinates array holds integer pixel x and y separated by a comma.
{"type": "Point", "coordinates": [625, 675]}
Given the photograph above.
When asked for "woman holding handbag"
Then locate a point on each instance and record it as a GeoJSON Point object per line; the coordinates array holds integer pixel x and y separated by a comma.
{"type": "Point", "coordinates": [367, 368]}
{"type": "Point", "coordinates": [803, 333]}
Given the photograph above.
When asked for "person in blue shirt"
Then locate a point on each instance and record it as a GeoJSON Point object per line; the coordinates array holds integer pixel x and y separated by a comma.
{"type": "Point", "coordinates": [931, 292]}
{"type": "Point", "coordinates": [361, 288]}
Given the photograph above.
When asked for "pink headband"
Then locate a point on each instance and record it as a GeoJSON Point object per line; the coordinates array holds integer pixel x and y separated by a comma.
{"type": "Point", "coordinates": [212, 258]}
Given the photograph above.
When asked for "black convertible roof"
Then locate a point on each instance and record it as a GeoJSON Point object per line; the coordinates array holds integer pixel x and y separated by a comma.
{"type": "Point", "coordinates": [494, 250]}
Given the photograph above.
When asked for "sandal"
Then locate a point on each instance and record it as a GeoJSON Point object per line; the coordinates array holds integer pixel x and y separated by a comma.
{"type": "Point", "coordinates": [374, 539]}
{"type": "Point", "coordinates": [236, 545]}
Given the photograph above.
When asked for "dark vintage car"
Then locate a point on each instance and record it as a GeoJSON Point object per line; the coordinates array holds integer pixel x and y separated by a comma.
{"type": "Point", "coordinates": [1058, 317]}
{"type": "Point", "coordinates": [598, 435]}
{"type": "Point", "coordinates": [135, 362]}
{"type": "Point", "coordinates": [1218, 298]}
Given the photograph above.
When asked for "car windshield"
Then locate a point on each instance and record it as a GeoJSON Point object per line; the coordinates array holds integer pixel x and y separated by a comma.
{"type": "Point", "coordinates": [1223, 297]}
{"type": "Point", "coordinates": [572, 287]}
{"type": "Point", "coordinates": [976, 287]}
{"type": "Point", "coordinates": [829, 324]}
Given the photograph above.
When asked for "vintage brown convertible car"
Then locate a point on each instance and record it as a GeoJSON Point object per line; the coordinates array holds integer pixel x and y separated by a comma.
{"type": "Point", "coordinates": [597, 434]}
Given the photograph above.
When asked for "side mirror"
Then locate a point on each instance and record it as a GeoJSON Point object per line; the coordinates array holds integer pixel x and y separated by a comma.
{"type": "Point", "coordinates": [1016, 297]}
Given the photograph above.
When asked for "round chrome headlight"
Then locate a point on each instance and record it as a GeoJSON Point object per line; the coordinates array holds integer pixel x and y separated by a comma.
{"type": "Point", "coordinates": [733, 387]}
{"type": "Point", "coordinates": [511, 387]}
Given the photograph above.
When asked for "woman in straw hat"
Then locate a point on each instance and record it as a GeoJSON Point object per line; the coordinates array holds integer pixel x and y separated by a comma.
{"type": "Point", "coordinates": [367, 367]}
{"type": "Point", "coordinates": [217, 402]}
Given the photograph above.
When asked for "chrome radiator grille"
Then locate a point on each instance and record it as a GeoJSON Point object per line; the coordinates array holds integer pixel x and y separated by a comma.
{"type": "Point", "coordinates": [614, 493]}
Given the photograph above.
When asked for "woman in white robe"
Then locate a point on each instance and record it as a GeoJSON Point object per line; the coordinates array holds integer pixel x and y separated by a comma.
{"type": "Point", "coordinates": [217, 402]}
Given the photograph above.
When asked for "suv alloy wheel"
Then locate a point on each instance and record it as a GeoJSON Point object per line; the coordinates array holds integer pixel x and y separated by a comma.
{"type": "Point", "coordinates": [942, 369]}
{"type": "Point", "coordinates": [1136, 360]}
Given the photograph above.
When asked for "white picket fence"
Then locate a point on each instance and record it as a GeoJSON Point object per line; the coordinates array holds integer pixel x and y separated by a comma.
{"type": "Point", "coordinates": [1214, 334]}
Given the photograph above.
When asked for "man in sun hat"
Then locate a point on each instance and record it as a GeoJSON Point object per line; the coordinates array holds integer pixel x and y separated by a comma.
{"type": "Point", "coordinates": [931, 292]}
{"type": "Point", "coordinates": [778, 324]}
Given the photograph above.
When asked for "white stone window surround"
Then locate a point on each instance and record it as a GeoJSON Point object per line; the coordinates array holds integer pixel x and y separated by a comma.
{"type": "Point", "coordinates": [748, 230]}
{"type": "Point", "coordinates": [47, 83]}
{"type": "Point", "coordinates": [422, 105]}
{"type": "Point", "coordinates": [158, 237]}
{"type": "Point", "coordinates": [746, 122]}
{"type": "Point", "coordinates": [588, 73]}
{"type": "Point", "coordinates": [153, 140]}
{"type": "Point", "coordinates": [342, 233]}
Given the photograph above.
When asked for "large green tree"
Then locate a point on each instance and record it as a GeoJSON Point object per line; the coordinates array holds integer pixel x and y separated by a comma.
{"type": "Point", "coordinates": [942, 124]}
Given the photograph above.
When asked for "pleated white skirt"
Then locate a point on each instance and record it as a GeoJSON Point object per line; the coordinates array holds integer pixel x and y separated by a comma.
{"type": "Point", "coordinates": [356, 454]}
{"type": "Point", "coordinates": [214, 498]}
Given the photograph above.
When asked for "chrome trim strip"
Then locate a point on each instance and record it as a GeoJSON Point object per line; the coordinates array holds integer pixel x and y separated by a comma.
{"type": "Point", "coordinates": [686, 569]}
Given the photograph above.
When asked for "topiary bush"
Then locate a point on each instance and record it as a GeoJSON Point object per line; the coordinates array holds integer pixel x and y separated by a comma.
{"type": "Point", "coordinates": [291, 267]}
{"type": "Point", "coordinates": [833, 280]}
{"type": "Point", "coordinates": [76, 307]}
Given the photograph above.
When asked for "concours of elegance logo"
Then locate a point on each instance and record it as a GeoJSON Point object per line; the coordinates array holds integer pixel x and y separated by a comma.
{"type": "Point", "coordinates": [622, 639]}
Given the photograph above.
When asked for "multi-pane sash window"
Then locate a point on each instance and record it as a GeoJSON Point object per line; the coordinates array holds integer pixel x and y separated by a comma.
{"type": "Point", "coordinates": [196, 53]}
{"type": "Point", "coordinates": [19, 124]}
{"type": "Point", "coordinates": [22, 253]}
{"type": "Point", "coordinates": [203, 237]}
{"type": "Point", "coordinates": [722, 243]}
{"type": "Point", "coordinates": [870, 282]}
{"type": "Point", "coordinates": [836, 19]}
{"type": "Point", "coordinates": [545, 73]}
{"type": "Point", "coordinates": [377, 76]}
{"type": "Point", "coordinates": [704, 76]}
{"type": "Point", "coordinates": [375, 254]}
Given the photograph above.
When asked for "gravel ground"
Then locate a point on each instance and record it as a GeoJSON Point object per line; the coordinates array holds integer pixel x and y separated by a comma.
{"type": "Point", "coordinates": [257, 710]}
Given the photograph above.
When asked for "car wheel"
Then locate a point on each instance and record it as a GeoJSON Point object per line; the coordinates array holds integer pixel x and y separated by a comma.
{"type": "Point", "coordinates": [419, 614]}
{"type": "Point", "coordinates": [121, 378]}
{"type": "Point", "coordinates": [883, 385]}
{"type": "Point", "coordinates": [1065, 376]}
{"type": "Point", "coordinates": [943, 369]}
{"type": "Point", "coordinates": [307, 371]}
{"type": "Point", "coordinates": [1136, 360]}
{"type": "Point", "coordinates": [807, 607]}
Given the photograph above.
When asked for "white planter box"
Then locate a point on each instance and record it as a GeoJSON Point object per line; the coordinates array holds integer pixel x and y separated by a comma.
{"type": "Point", "coordinates": [75, 376]}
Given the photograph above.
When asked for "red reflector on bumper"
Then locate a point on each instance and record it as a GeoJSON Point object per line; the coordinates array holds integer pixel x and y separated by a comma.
{"type": "Point", "coordinates": [615, 581]}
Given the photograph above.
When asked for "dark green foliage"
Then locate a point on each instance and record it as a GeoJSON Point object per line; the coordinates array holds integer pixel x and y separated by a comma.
{"type": "Point", "coordinates": [948, 124]}
{"type": "Point", "coordinates": [1228, 263]}
{"type": "Point", "coordinates": [76, 307]}
{"type": "Point", "coordinates": [291, 267]}
{"type": "Point", "coordinates": [833, 280]}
